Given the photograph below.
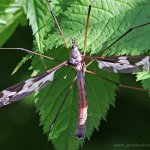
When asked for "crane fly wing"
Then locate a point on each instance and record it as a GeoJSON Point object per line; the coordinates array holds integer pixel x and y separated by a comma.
{"type": "Point", "coordinates": [124, 64]}
{"type": "Point", "coordinates": [25, 88]}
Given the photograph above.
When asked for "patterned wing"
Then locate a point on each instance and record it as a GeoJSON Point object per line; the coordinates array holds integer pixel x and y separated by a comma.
{"type": "Point", "coordinates": [124, 64]}
{"type": "Point", "coordinates": [25, 88]}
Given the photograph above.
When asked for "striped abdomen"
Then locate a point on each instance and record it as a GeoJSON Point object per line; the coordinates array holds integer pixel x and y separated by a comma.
{"type": "Point", "coordinates": [82, 104]}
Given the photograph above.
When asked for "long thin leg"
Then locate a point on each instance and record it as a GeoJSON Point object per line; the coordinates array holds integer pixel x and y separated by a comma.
{"type": "Point", "coordinates": [31, 52]}
{"type": "Point", "coordinates": [62, 104]}
{"type": "Point", "coordinates": [57, 24]}
{"type": "Point", "coordinates": [89, 63]}
{"type": "Point", "coordinates": [118, 84]}
{"type": "Point", "coordinates": [123, 35]}
{"type": "Point", "coordinates": [87, 25]}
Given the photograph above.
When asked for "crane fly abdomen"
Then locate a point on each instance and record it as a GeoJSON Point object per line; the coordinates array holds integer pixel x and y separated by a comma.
{"type": "Point", "coordinates": [82, 107]}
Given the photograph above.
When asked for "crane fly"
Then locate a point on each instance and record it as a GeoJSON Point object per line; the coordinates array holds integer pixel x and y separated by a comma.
{"type": "Point", "coordinates": [116, 64]}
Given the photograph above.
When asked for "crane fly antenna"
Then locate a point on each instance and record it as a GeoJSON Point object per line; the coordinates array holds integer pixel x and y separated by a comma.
{"type": "Point", "coordinates": [122, 36]}
{"type": "Point", "coordinates": [87, 25]}
{"type": "Point", "coordinates": [57, 24]}
{"type": "Point", "coordinates": [62, 104]}
{"type": "Point", "coordinates": [116, 83]}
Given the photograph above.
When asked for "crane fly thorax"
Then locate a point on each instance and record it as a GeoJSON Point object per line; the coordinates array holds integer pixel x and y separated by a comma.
{"type": "Point", "coordinates": [76, 58]}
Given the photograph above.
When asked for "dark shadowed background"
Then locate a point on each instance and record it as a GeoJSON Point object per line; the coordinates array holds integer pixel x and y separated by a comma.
{"type": "Point", "coordinates": [127, 125]}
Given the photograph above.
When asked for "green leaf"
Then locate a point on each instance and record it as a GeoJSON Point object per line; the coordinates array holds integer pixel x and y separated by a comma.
{"type": "Point", "coordinates": [143, 76]}
{"type": "Point", "coordinates": [37, 13]}
{"type": "Point", "coordinates": [40, 18]}
{"type": "Point", "coordinates": [109, 20]}
{"type": "Point", "coordinates": [10, 17]}
{"type": "Point", "coordinates": [100, 94]}
{"type": "Point", "coordinates": [146, 84]}
{"type": "Point", "coordinates": [23, 61]}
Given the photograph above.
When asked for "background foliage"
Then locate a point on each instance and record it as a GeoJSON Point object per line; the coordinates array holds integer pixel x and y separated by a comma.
{"type": "Point", "coordinates": [108, 23]}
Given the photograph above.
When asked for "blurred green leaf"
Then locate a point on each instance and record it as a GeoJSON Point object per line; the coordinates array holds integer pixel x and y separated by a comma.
{"type": "Point", "coordinates": [11, 16]}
